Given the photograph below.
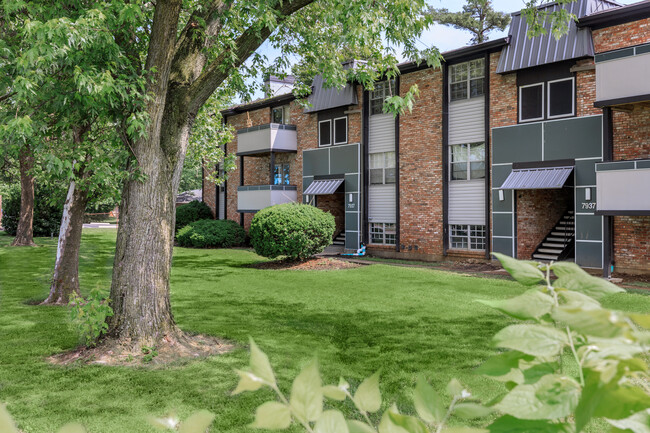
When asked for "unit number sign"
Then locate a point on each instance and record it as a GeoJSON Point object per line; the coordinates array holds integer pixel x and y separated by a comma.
{"type": "Point", "coordinates": [590, 205]}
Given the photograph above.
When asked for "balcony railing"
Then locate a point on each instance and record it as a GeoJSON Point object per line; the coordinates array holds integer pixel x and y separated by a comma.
{"type": "Point", "coordinates": [272, 137]}
{"type": "Point", "coordinates": [251, 198]}
{"type": "Point", "coordinates": [622, 187]}
{"type": "Point", "coordinates": [622, 76]}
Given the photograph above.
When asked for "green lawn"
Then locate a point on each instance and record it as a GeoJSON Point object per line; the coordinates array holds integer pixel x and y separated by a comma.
{"type": "Point", "coordinates": [402, 320]}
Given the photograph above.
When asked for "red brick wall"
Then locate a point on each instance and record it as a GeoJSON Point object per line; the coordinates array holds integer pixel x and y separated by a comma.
{"type": "Point", "coordinates": [632, 133]}
{"type": "Point", "coordinates": [334, 204]}
{"type": "Point", "coordinates": [209, 190]}
{"type": "Point", "coordinates": [632, 244]}
{"type": "Point", "coordinates": [420, 166]}
{"type": "Point", "coordinates": [537, 212]}
{"type": "Point", "coordinates": [586, 90]}
{"type": "Point", "coordinates": [622, 35]}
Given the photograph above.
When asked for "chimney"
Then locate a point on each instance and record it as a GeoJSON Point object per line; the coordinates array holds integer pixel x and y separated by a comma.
{"type": "Point", "coordinates": [274, 86]}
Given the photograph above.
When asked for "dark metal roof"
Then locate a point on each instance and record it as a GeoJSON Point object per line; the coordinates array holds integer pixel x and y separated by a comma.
{"type": "Point", "coordinates": [537, 178]}
{"type": "Point", "coordinates": [259, 103]}
{"type": "Point", "coordinates": [323, 187]}
{"type": "Point", "coordinates": [614, 16]}
{"type": "Point", "coordinates": [524, 52]}
{"type": "Point", "coordinates": [324, 98]}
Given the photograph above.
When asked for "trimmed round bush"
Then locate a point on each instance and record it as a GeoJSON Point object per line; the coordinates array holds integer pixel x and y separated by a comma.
{"type": "Point", "coordinates": [297, 231]}
{"type": "Point", "coordinates": [191, 212]}
{"type": "Point", "coordinates": [48, 209]}
{"type": "Point", "coordinates": [211, 234]}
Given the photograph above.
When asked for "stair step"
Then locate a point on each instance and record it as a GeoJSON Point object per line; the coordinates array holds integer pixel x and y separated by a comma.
{"type": "Point", "coordinates": [563, 228]}
{"type": "Point", "coordinates": [567, 222]}
{"type": "Point", "coordinates": [337, 242]}
{"type": "Point", "coordinates": [570, 212]}
{"type": "Point", "coordinates": [554, 239]}
{"type": "Point", "coordinates": [556, 251]}
{"type": "Point", "coordinates": [559, 245]}
{"type": "Point", "coordinates": [544, 257]}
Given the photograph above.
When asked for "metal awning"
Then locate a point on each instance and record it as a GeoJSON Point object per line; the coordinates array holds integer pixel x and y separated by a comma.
{"type": "Point", "coordinates": [537, 178]}
{"type": "Point", "coordinates": [322, 187]}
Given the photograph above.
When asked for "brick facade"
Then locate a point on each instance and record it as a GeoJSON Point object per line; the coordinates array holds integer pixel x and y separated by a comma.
{"type": "Point", "coordinates": [420, 166]}
{"type": "Point", "coordinates": [622, 35]}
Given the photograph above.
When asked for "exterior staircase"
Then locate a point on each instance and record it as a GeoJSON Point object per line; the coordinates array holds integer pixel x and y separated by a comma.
{"type": "Point", "coordinates": [559, 244]}
{"type": "Point", "coordinates": [339, 239]}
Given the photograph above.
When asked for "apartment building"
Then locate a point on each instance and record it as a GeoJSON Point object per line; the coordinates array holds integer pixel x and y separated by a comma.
{"type": "Point", "coordinates": [533, 147]}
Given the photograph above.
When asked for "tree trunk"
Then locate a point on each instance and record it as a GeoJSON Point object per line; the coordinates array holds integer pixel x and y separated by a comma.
{"type": "Point", "coordinates": [25, 230]}
{"type": "Point", "coordinates": [140, 287]}
{"type": "Point", "coordinates": [66, 269]}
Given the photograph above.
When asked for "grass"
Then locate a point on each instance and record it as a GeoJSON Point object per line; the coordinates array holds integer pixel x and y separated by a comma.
{"type": "Point", "coordinates": [402, 320]}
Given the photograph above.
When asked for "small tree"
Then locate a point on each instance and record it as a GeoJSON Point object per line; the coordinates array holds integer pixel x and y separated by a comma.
{"type": "Point", "coordinates": [477, 17]}
{"type": "Point", "coordinates": [297, 231]}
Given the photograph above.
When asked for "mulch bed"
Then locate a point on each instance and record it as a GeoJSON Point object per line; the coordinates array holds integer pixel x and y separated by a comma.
{"type": "Point", "coordinates": [315, 264]}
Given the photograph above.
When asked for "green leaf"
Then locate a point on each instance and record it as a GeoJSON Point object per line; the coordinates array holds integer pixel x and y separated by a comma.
{"type": "Point", "coordinates": [331, 421]}
{"type": "Point", "coordinates": [577, 300]}
{"type": "Point", "coordinates": [598, 323]}
{"type": "Point", "coordinates": [6, 422]}
{"type": "Point", "coordinates": [642, 320]}
{"type": "Point", "coordinates": [272, 416]}
{"type": "Point", "coordinates": [307, 394]}
{"type": "Point", "coordinates": [552, 397]}
{"type": "Point", "coordinates": [536, 340]}
{"type": "Point", "coordinates": [454, 388]}
{"type": "Point", "coordinates": [408, 423]}
{"type": "Point", "coordinates": [465, 430]}
{"type": "Point", "coordinates": [510, 424]}
{"type": "Point", "coordinates": [198, 422]}
{"type": "Point", "coordinates": [586, 284]}
{"type": "Point", "coordinates": [533, 304]}
{"type": "Point", "coordinates": [471, 410]}
{"type": "Point", "coordinates": [637, 423]}
{"type": "Point", "coordinates": [368, 396]}
{"type": "Point", "coordinates": [505, 366]}
{"type": "Point", "coordinates": [260, 365]}
{"type": "Point", "coordinates": [524, 272]}
{"type": "Point", "coordinates": [247, 382]}
{"type": "Point", "coordinates": [334, 392]}
{"type": "Point", "coordinates": [355, 426]}
{"type": "Point", "coordinates": [70, 428]}
{"type": "Point", "coordinates": [386, 425]}
{"type": "Point", "coordinates": [428, 403]}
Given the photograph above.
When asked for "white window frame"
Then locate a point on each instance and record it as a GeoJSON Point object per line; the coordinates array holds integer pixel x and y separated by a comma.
{"type": "Point", "coordinates": [467, 161]}
{"type": "Point", "coordinates": [543, 102]}
{"type": "Point", "coordinates": [387, 88]}
{"type": "Point", "coordinates": [383, 233]}
{"type": "Point", "coordinates": [330, 128]}
{"type": "Point", "coordinates": [469, 237]}
{"type": "Point", "coordinates": [468, 80]}
{"type": "Point", "coordinates": [334, 130]}
{"type": "Point", "coordinates": [282, 172]}
{"type": "Point", "coordinates": [383, 168]}
{"type": "Point", "coordinates": [285, 114]}
{"type": "Point", "coordinates": [573, 99]}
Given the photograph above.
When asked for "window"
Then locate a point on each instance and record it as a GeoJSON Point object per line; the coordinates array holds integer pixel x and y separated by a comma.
{"type": "Point", "coordinates": [467, 80]}
{"type": "Point", "coordinates": [281, 174]}
{"type": "Point", "coordinates": [383, 90]}
{"type": "Point", "coordinates": [531, 102]}
{"type": "Point", "coordinates": [383, 233]}
{"type": "Point", "coordinates": [467, 237]}
{"type": "Point", "coordinates": [382, 168]}
{"type": "Point", "coordinates": [325, 133]}
{"type": "Point", "coordinates": [280, 115]}
{"type": "Point", "coordinates": [560, 98]}
{"type": "Point", "coordinates": [341, 130]}
{"type": "Point", "coordinates": [467, 161]}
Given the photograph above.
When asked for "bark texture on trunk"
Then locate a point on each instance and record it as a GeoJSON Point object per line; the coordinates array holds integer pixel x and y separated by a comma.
{"type": "Point", "coordinates": [25, 229]}
{"type": "Point", "coordinates": [65, 281]}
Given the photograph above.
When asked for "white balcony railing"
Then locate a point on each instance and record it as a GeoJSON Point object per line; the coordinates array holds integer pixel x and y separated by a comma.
{"type": "Point", "coordinates": [272, 137]}
{"type": "Point", "coordinates": [251, 198]}
{"type": "Point", "coordinates": [624, 78]}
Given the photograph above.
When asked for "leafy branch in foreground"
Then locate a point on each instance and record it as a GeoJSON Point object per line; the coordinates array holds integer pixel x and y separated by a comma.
{"type": "Point", "coordinates": [569, 362]}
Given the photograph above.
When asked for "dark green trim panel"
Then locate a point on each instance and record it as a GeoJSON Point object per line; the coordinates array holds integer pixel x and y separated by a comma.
{"type": "Point", "coordinates": [585, 172]}
{"type": "Point", "coordinates": [643, 164]}
{"type": "Point", "coordinates": [579, 137]}
{"type": "Point", "coordinates": [607, 166]}
{"type": "Point", "coordinates": [589, 254]}
{"type": "Point", "coordinates": [344, 159]}
{"type": "Point", "coordinates": [501, 206]}
{"type": "Point", "coordinates": [517, 143]}
{"type": "Point", "coordinates": [502, 245]}
{"type": "Point", "coordinates": [499, 174]}
{"type": "Point", "coordinates": [612, 55]}
{"type": "Point", "coordinates": [589, 227]}
{"type": "Point", "coordinates": [502, 224]}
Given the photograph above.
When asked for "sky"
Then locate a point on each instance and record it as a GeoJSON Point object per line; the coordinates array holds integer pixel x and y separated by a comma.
{"type": "Point", "coordinates": [443, 37]}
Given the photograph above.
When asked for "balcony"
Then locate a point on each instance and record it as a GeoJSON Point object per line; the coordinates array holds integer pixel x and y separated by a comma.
{"type": "Point", "coordinates": [621, 187]}
{"type": "Point", "coordinates": [251, 198]}
{"type": "Point", "coordinates": [622, 76]}
{"type": "Point", "coordinates": [263, 139]}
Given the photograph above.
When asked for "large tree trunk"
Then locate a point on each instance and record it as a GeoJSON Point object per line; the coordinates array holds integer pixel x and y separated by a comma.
{"type": "Point", "coordinates": [140, 287]}
{"type": "Point", "coordinates": [25, 230]}
{"type": "Point", "coordinates": [65, 282]}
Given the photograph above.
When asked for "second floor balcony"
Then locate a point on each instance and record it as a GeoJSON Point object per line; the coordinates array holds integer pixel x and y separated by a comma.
{"type": "Point", "coordinates": [622, 76]}
{"type": "Point", "coordinates": [264, 139]}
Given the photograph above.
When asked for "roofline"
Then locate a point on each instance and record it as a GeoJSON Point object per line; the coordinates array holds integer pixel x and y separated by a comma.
{"type": "Point", "coordinates": [555, 3]}
{"type": "Point", "coordinates": [615, 16]}
{"type": "Point", "coordinates": [458, 53]}
{"type": "Point", "coordinates": [255, 105]}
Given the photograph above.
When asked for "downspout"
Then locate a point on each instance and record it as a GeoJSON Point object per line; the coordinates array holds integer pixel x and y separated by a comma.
{"type": "Point", "coordinates": [445, 157]}
{"type": "Point", "coordinates": [366, 157]}
{"type": "Point", "coordinates": [608, 220]}
{"type": "Point", "coordinates": [488, 165]}
{"type": "Point", "coordinates": [397, 171]}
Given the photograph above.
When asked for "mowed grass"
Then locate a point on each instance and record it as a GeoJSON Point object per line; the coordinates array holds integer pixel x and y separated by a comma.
{"type": "Point", "coordinates": [401, 320]}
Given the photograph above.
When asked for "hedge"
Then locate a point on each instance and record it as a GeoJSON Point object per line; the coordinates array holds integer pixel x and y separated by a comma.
{"type": "Point", "coordinates": [211, 234]}
{"type": "Point", "coordinates": [191, 212]}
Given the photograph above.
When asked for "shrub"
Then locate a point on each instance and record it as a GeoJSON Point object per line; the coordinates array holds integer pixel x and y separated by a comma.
{"type": "Point", "coordinates": [191, 212]}
{"type": "Point", "coordinates": [211, 234]}
{"type": "Point", "coordinates": [297, 231]}
{"type": "Point", "coordinates": [88, 317]}
{"type": "Point", "coordinates": [48, 208]}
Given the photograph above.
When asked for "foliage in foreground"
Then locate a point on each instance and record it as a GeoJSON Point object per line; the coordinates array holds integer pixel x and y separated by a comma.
{"type": "Point", "coordinates": [608, 379]}
{"type": "Point", "coordinates": [191, 212]}
{"type": "Point", "coordinates": [88, 316]}
{"type": "Point", "coordinates": [211, 234]}
{"type": "Point", "coordinates": [297, 231]}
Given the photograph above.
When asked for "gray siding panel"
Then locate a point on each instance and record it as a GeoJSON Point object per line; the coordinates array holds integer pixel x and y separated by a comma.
{"type": "Point", "coordinates": [222, 206]}
{"type": "Point", "coordinates": [381, 204]}
{"type": "Point", "coordinates": [381, 133]}
{"type": "Point", "coordinates": [467, 121]}
{"type": "Point", "coordinates": [467, 202]}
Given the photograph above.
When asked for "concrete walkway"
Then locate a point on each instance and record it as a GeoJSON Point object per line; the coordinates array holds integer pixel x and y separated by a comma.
{"type": "Point", "coordinates": [100, 226]}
